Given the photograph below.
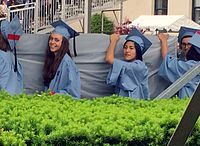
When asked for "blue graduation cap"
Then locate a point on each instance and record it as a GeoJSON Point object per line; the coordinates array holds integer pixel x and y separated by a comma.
{"type": "Point", "coordinates": [63, 29]}
{"type": "Point", "coordinates": [66, 31]}
{"type": "Point", "coordinates": [4, 28]}
{"type": "Point", "coordinates": [195, 40]}
{"type": "Point", "coordinates": [13, 36]}
{"type": "Point", "coordinates": [136, 36]}
{"type": "Point", "coordinates": [185, 31]}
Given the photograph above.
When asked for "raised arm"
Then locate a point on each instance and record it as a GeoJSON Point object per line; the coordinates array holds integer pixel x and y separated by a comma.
{"type": "Point", "coordinates": [163, 43]}
{"type": "Point", "coordinates": [110, 54]}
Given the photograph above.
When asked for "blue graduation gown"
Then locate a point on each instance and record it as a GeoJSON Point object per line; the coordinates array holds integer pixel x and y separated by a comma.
{"type": "Point", "coordinates": [129, 78]}
{"type": "Point", "coordinates": [11, 81]}
{"type": "Point", "coordinates": [67, 78]}
{"type": "Point", "coordinates": [171, 69]}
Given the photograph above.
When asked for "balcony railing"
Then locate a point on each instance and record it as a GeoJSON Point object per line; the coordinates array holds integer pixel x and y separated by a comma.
{"type": "Point", "coordinates": [39, 14]}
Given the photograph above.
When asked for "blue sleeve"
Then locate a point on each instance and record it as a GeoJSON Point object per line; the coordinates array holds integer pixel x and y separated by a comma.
{"type": "Point", "coordinates": [70, 80]}
{"type": "Point", "coordinates": [145, 86]}
{"type": "Point", "coordinates": [4, 73]}
{"type": "Point", "coordinates": [114, 72]}
{"type": "Point", "coordinates": [171, 69]}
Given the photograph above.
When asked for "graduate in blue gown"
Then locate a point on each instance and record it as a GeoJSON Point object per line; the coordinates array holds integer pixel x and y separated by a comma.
{"type": "Point", "coordinates": [129, 76]}
{"type": "Point", "coordinates": [60, 72]}
{"type": "Point", "coordinates": [11, 72]}
{"type": "Point", "coordinates": [172, 68]}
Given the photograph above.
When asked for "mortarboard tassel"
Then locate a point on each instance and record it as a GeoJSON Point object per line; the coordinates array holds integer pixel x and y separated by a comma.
{"type": "Point", "coordinates": [74, 44]}
{"type": "Point", "coordinates": [15, 54]}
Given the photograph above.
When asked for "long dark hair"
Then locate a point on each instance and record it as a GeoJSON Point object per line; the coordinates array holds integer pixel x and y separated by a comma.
{"type": "Point", "coordinates": [53, 61]}
{"type": "Point", "coordinates": [4, 45]}
{"type": "Point", "coordinates": [192, 54]}
{"type": "Point", "coordinates": [138, 50]}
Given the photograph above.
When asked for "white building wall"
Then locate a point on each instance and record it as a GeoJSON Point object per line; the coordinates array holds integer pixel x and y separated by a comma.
{"type": "Point", "coordinates": [180, 7]}
{"type": "Point", "coordinates": [134, 8]}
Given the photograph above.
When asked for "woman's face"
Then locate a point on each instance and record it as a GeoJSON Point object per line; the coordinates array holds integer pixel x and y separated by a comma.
{"type": "Point", "coordinates": [129, 51]}
{"type": "Point", "coordinates": [55, 42]}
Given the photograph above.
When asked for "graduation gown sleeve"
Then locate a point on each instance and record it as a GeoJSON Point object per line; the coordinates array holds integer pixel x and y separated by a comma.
{"type": "Point", "coordinates": [172, 69]}
{"type": "Point", "coordinates": [4, 71]}
{"type": "Point", "coordinates": [11, 81]}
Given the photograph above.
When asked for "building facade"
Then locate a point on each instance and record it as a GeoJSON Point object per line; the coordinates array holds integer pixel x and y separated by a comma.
{"type": "Point", "coordinates": [134, 8]}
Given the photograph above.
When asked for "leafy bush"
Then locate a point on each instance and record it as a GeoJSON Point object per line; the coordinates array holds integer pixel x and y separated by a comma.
{"type": "Point", "coordinates": [61, 120]}
{"type": "Point", "coordinates": [96, 24]}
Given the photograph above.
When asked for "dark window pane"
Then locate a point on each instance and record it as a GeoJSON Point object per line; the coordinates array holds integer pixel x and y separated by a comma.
{"type": "Point", "coordinates": [196, 11]}
{"type": "Point", "coordinates": [161, 7]}
{"type": "Point", "coordinates": [197, 16]}
{"type": "Point", "coordinates": [197, 3]}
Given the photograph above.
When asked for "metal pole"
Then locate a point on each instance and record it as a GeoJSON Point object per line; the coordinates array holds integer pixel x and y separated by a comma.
{"type": "Point", "coordinates": [36, 15]}
{"type": "Point", "coordinates": [102, 21]}
{"type": "Point", "coordinates": [8, 14]}
{"type": "Point", "coordinates": [187, 122]}
{"type": "Point", "coordinates": [121, 14]}
{"type": "Point", "coordinates": [87, 16]}
{"type": "Point", "coordinates": [63, 10]}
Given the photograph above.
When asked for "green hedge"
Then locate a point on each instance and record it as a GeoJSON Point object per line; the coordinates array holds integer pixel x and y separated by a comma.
{"type": "Point", "coordinates": [60, 120]}
{"type": "Point", "coordinates": [96, 24]}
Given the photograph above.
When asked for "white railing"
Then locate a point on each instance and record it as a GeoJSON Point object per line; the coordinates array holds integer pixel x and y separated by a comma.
{"type": "Point", "coordinates": [26, 13]}
{"type": "Point", "coordinates": [40, 14]}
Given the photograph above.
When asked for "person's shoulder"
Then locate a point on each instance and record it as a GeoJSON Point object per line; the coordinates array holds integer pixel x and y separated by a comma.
{"type": "Point", "coordinates": [68, 60]}
{"type": "Point", "coordinates": [135, 62]}
{"type": "Point", "coordinates": [5, 58]}
{"type": "Point", "coordinates": [138, 63]}
{"type": "Point", "coordinates": [4, 54]}
{"type": "Point", "coordinates": [191, 62]}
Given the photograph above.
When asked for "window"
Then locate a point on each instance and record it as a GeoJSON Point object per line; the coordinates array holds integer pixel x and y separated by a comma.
{"type": "Point", "coordinates": [161, 7]}
{"type": "Point", "coordinates": [196, 11]}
